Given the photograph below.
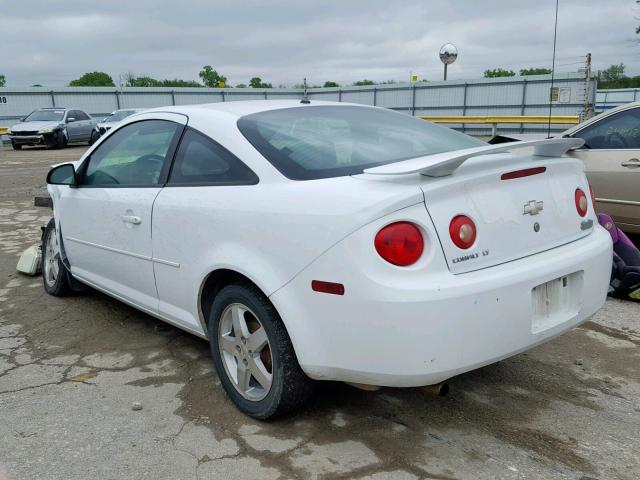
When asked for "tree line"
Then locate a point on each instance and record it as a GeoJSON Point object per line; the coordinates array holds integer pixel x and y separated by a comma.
{"type": "Point", "coordinates": [209, 77]}
{"type": "Point", "coordinates": [611, 77]}
{"type": "Point", "coordinates": [614, 77]}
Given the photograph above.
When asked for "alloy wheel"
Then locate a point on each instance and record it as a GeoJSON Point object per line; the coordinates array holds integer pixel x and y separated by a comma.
{"type": "Point", "coordinates": [51, 264]}
{"type": "Point", "coordinates": [245, 351]}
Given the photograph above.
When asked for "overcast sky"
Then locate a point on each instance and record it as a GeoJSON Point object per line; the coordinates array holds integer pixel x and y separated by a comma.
{"type": "Point", "coordinates": [52, 43]}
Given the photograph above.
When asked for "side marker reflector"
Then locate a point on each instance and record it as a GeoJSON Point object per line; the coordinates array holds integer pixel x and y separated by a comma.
{"type": "Point", "coordinates": [327, 287]}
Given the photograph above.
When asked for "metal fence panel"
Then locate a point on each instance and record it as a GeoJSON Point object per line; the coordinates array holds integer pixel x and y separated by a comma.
{"type": "Point", "coordinates": [440, 97]}
{"type": "Point", "coordinates": [90, 102]}
{"type": "Point", "coordinates": [391, 98]}
{"type": "Point", "coordinates": [236, 96]}
{"type": "Point", "coordinates": [145, 99]}
{"type": "Point", "coordinates": [331, 95]}
{"type": "Point", "coordinates": [358, 96]}
{"type": "Point", "coordinates": [500, 96]}
{"type": "Point", "coordinates": [193, 98]}
{"type": "Point", "coordinates": [20, 104]}
{"type": "Point", "coordinates": [488, 95]}
{"type": "Point", "coordinates": [606, 99]}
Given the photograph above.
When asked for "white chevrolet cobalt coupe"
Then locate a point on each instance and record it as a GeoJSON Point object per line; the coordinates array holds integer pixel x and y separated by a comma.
{"type": "Point", "coordinates": [325, 241]}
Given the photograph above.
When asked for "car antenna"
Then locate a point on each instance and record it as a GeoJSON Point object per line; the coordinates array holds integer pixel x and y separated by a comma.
{"type": "Point", "coordinates": [553, 72]}
{"type": "Point", "coordinates": [305, 95]}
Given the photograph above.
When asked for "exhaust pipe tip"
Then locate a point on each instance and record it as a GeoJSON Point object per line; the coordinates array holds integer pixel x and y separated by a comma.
{"type": "Point", "coordinates": [437, 390]}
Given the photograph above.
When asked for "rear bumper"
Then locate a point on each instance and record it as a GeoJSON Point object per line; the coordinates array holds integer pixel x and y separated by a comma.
{"type": "Point", "coordinates": [378, 334]}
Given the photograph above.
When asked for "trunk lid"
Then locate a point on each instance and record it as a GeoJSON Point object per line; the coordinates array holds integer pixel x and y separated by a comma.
{"type": "Point", "coordinates": [506, 230]}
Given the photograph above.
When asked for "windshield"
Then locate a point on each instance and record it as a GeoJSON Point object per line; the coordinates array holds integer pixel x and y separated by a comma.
{"type": "Point", "coordinates": [118, 116]}
{"type": "Point", "coordinates": [312, 142]}
{"type": "Point", "coordinates": [45, 116]}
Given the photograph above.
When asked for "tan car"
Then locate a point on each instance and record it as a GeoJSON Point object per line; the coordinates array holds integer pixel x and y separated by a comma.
{"type": "Point", "coordinates": [611, 155]}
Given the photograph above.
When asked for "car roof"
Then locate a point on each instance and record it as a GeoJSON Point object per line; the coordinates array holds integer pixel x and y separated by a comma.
{"type": "Point", "coordinates": [239, 108]}
{"type": "Point", "coordinates": [61, 108]}
{"type": "Point", "coordinates": [600, 116]}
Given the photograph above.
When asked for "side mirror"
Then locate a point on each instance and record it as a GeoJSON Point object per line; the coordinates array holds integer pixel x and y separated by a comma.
{"type": "Point", "coordinates": [62, 175]}
{"type": "Point", "coordinates": [71, 119]}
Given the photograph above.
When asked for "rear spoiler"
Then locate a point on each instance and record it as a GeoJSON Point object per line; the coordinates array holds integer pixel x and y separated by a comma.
{"type": "Point", "coordinates": [443, 164]}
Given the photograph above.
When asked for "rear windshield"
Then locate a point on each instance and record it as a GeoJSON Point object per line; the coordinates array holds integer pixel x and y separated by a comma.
{"type": "Point", "coordinates": [312, 142]}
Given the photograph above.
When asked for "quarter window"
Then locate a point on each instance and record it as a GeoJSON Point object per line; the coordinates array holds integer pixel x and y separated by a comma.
{"type": "Point", "coordinates": [133, 156]}
{"type": "Point", "coordinates": [618, 131]}
{"type": "Point", "coordinates": [200, 160]}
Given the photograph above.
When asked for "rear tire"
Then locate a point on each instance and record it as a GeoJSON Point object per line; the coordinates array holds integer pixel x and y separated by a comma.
{"type": "Point", "coordinates": [273, 361]}
{"type": "Point", "coordinates": [15, 146]}
{"type": "Point", "coordinates": [54, 274]}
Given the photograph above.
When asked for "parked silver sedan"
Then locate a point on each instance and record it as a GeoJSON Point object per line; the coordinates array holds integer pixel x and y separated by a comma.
{"type": "Point", "coordinates": [53, 128]}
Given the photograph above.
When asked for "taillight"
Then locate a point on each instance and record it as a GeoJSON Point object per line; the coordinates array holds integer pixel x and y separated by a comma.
{"type": "Point", "coordinates": [462, 231]}
{"type": "Point", "coordinates": [400, 243]}
{"type": "Point", "coordinates": [581, 202]}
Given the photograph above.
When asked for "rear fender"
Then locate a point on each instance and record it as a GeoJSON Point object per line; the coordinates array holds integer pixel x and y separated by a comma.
{"type": "Point", "coordinates": [354, 263]}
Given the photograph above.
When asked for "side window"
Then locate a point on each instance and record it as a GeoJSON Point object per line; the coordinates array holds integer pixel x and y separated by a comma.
{"type": "Point", "coordinates": [134, 155]}
{"type": "Point", "coordinates": [618, 131]}
{"type": "Point", "coordinates": [77, 114]}
{"type": "Point", "coordinates": [200, 160]}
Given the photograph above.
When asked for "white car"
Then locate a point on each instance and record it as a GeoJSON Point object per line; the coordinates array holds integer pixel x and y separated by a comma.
{"type": "Point", "coordinates": [329, 241]}
{"type": "Point", "coordinates": [112, 120]}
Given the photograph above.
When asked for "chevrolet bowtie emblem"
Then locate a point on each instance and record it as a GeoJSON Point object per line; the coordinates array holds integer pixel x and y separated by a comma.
{"type": "Point", "coordinates": [532, 207]}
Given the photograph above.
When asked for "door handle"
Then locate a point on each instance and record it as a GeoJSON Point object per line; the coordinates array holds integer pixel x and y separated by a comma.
{"type": "Point", "coordinates": [632, 162]}
{"type": "Point", "coordinates": [131, 219]}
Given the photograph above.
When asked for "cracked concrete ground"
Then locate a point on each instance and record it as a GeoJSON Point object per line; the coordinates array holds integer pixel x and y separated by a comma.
{"type": "Point", "coordinates": [71, 369]}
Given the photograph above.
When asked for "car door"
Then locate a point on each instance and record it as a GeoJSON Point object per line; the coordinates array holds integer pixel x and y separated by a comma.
{"type": "Point", "coordinates": [74, 126]}
{"type": "Point", "coordinates": [205, 191]}
{"type": "Point", "coordinates": [105, 221]}
{"type": "Point", "coordinates": [611, 155]}
{"type": "Point", "coordinates": [84, 125]}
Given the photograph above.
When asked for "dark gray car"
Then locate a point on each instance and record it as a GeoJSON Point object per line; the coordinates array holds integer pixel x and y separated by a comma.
{"type": "Point", "coordinates": [53, 128]}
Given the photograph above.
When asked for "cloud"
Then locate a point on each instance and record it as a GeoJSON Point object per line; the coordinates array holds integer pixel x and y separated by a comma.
{"type": "Point", "coordinates": [282, 42]}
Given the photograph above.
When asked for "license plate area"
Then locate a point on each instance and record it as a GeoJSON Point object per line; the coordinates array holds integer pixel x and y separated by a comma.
{"type": "Point", "coordinates": [556, 301]}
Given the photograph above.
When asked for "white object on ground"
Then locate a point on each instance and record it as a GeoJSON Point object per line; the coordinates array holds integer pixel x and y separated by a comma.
{"type": "Point", "coordinates": [30, 262]}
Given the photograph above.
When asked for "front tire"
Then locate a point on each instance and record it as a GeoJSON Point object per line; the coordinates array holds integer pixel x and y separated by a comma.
{"type": "Point", "coordinates": [94, 137]}
{"type": "Point", "coordinates": [54, 274]}
{"type": "Point", "coordinates": [60, 140]}
{"type": "Point", "coordinates": [16, 146]}
{"type": "Point", "coordinates": [253, 355]}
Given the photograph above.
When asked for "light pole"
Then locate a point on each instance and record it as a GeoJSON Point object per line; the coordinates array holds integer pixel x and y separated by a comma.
{"type": "Point", "coordinates": [448, 55]}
